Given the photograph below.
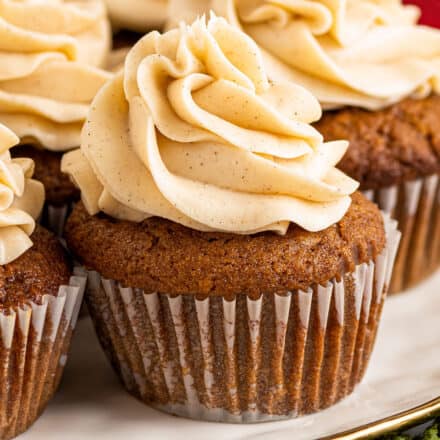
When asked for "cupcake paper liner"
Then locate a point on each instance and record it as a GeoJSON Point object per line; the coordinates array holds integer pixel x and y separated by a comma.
{"type": "Point", "coordinates": [416, 207]}
{"type": "Point", "coordinates": [54, 217]}
{"type": "Point", "coordinates": [244, 360]}
{"type": "Point", "coordinates": [34, 344]}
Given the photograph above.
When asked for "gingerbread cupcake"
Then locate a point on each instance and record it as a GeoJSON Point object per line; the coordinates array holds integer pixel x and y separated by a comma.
{"type": "Point", "coordinates": [395, 154]}
{"type": "Point", "coordinates": [50, 59]}
{"type": "Point", "coordinates": [235, 275]}
{"type": "Point", "coordinates": [39, 299]}
{"type": "Point", "coordinates": [379, 93]}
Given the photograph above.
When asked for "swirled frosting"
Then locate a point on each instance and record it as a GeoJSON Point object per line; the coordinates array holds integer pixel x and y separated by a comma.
{"type": "Point", "coordinates": [194, 132]}
{"type": "Point", "coordinates": [48, 53]}
{"type": "Point", "coordinates": [366, 53]}
{"type": "Point", "coordinates": [21, 200]}
{"type": "Point", "coordinates": [138, 15]}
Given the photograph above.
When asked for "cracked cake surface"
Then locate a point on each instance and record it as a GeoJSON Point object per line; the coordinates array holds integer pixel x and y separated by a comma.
{"type": "Point", "coordinates": [161, 256]}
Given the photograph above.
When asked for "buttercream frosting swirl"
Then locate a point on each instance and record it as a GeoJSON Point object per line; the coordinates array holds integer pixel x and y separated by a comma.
{"type": "Point", "coordinates": [366, 53]}
{"type": "Point", "coordinates": [21, 200]}
{"type": "Point", "coordinates": [193, 131]}
{"type": "Point", "coordinates": [48, 53]}
{"type": "Point", "coordinates": [138, 15]}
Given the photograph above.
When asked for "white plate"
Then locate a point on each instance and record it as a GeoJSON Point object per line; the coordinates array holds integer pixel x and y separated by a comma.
{"type": "Point", "coordinates": [404, 373]}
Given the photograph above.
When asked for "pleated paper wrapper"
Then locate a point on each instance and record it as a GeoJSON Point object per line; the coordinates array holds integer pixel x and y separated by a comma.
{"type": "Point", "coordinates": [35, 340]}
{"type": "Point", "coordinates": [416, 207]}
{"type": "Point", "coordinates": [54, 217]}
{"type": "Point", "coordinates": [245, 360]}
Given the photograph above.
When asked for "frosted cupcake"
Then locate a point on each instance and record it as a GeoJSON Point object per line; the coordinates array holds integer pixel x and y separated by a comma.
{"type": "Point", "coordinates": [234, 273]}
{"type": "Point", "coordinates": [50, 52]}
{"type": "Point", "coordinates": [39, 300]}
{"type": "Point", "coordinates": [384, 96]}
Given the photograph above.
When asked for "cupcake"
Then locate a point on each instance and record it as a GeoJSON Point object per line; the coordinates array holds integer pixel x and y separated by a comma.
{"type": "Point", "coordinates": [51, 54]}
{"type": "Point", "coordinates": [39, 299]}
{"type": "Point", "coordinates": [378, 93]}
{"type": "Point", "coordinates": [395, 154]}
{"type": "Point", "coordinates": [235, 275]}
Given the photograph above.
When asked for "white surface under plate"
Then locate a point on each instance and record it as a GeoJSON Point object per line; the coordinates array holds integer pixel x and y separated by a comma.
{"type": "Point", "coordinates": [404, 373]}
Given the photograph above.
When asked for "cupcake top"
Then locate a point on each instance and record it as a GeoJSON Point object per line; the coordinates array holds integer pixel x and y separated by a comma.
{"type": "Point", "coordinates": [48, 53]}
{"type": "Point", "coordinates": [365, 53]}
{"type": "Point", "coordinates": [144, 255]}
{"type": "Point", "coordinates": [21, 200]}
{"type": "Point", "coordinates": [138, 15]}
{"type": "Point", "coordinates": [193, 131]}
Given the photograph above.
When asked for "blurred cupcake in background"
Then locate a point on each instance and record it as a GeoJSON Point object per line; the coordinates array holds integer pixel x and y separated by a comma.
{"type": "Point", "coordinates": [378, 92]}
{"type": "Point", "coordinates": [116, 59]}
{"type": "Point", "coordinates": [131, 19]}
{"type": "Point", "coordinates": [137, 15]}
{"type": "Point", "coordinates": [39, 299]}
{"type": "Point", "coordinates": [235, 275]}
{"type": "Point", "coordinates": [51, 54]}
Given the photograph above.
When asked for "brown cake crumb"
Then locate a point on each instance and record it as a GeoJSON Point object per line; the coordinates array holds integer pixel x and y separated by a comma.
{"type": "Point", "coordinates": [161, 256]}
{"type": "Point", "coordinates": [59, 188]}
{"type": "Point", "coordinates": [39, 271]}
{"type": "Point", "coordinates": [390, 146]}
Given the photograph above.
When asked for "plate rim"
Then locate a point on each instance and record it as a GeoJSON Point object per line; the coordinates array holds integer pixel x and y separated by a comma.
{"type": "Point", "coordinates": [392, 423]}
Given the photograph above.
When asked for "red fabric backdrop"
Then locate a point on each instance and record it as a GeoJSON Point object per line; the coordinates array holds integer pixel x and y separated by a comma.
{"type": "Point", "coordinates": [430, 11]}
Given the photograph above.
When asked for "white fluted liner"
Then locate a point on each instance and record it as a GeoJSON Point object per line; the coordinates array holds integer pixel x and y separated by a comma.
{"type": "Point", "coordinates": [244, 360]}
{"type": "Point", "coordinates": [35, 340]}
{"type": "Point", "coordinates": [54, 217]}
{"type": "Point", "coordinates": [416, 207]}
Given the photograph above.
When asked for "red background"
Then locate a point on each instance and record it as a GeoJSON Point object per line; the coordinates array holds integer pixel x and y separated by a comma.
{"type": "Point", "coordinates": [430, 11]}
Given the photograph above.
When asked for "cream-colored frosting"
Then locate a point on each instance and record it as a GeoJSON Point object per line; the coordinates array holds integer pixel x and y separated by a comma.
{"type": "Point", "coordinates": [21, 200]}
{"type": "Point", "coordinates": [366, 53]}
{"type": "Point", "coordinates": [194, 132]}
{"type": "Point", "coordinates": [48, 53]}
{"type": "Point", "coordinates": [138, 15]}
{"type": "Point", "coordinates": [79, 29]}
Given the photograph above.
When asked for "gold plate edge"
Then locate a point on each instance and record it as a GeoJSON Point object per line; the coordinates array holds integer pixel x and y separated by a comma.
{"type": "Point", "coordinates": [392, 423]}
